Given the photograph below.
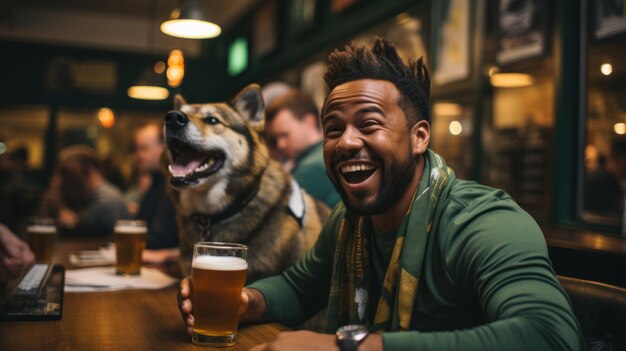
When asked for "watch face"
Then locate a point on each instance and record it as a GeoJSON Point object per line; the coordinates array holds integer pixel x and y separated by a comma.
{"type": "Point", "coordinates": [353, 331]}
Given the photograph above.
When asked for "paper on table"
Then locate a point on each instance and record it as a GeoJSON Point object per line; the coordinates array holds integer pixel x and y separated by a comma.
{"type": "Point", "coordinates": [103, 256]}
{"type": "Point", "coordinates": [105, 279]}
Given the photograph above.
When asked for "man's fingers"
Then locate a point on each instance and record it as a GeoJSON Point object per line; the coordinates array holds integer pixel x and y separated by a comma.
{"type": "Point", "coordinates": [190, 320]}
{"type": "Point", "coordinates": [185, 288]}
{"type": "Point", "coordinates": [186, 306]}
{"type": "Point", "coordinates": [244, 303]}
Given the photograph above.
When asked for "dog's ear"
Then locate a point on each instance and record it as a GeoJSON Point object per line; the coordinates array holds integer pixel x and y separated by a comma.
{"type": "Point", "coordinates": [249, 104]}
{"type": "Point", "coordinates": [179, 101]}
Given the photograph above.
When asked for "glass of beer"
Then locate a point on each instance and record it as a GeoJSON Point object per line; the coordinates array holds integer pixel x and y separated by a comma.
{"type": "Point", "coordinates": [41, 235]}
{"type": "Point", "coordinates": [130, 240]}
{"type": "Point", "coordinates": [218, 272]}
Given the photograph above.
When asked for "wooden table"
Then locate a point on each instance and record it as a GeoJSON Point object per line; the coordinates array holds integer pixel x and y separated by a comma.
{"type": "Point", "coordinates": [119, 320]}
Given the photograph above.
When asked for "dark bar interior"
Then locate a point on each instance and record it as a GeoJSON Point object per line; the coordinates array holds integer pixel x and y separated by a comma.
{"type": "Point", "coordinates": [527, 96]}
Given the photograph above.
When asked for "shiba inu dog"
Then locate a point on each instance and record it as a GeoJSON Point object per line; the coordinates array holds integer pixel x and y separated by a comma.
{"type": "Point", "coordinates": [226, 188]}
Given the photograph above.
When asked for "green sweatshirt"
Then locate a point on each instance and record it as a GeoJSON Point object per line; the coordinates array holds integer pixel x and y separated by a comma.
{"type": "Point", "coordinates": [486, 282]}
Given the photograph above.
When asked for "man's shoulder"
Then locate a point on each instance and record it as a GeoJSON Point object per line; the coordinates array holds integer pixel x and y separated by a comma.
{"type": "Point", "coordinates": [476, 210]}
{"type": "Point", "coordinates": [311, 158]}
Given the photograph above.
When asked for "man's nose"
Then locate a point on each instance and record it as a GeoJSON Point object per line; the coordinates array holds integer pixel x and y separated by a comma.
{"type": "Point", "coordinates": [349, 141]}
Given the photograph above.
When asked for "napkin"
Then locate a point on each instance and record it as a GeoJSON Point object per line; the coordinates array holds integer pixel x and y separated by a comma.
{"type": "Point", "coordinates": [105, 279]}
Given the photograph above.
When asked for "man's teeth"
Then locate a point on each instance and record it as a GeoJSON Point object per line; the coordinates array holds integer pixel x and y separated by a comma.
{"type": "Point", "coordinates": [186, 173]}
{"type": "Point", "coordinates": [357, 168]}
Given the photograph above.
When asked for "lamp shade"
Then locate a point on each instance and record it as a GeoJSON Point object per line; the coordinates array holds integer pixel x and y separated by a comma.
{"type": "Point", "coordinates": [190, 21]}
{"type": "Point", "coordinates": [150, 86]}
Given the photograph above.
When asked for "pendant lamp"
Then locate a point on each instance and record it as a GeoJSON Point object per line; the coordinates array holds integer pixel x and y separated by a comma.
{"type": "Point", "coordinates": [190, 21]}
{"type": "Point", "coordinates": [150, 86]}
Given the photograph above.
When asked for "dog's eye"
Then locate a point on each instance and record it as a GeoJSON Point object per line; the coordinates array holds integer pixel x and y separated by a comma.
{"type": "Point", "coordinates": [211, 120]}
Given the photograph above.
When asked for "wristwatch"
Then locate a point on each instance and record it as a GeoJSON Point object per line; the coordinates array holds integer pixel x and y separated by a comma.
{"type": "Point", "coordinates": [350, 336]}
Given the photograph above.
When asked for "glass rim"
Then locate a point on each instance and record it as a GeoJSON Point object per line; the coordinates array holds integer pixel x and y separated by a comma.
{"type": "Point", "coordinates": [130, 222]}
{"type": "Point", "coordinates": [220, 245]}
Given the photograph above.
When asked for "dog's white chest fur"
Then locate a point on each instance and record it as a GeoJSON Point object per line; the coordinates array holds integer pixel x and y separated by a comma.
{"type": "Point", "coordinates": [207, 202]}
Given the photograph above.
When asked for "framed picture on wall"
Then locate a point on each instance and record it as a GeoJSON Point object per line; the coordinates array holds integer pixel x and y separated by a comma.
{"type": "Point", "coordinates": [302, 16]}
{"type": "Point", "coordinates": [609, 18]}
{"type": "Point", "coordinates": [265, 29]}
{"type": "Point", "coordinates": [522, 30]}
{"type": "Point", "coordinates": [451, 47]}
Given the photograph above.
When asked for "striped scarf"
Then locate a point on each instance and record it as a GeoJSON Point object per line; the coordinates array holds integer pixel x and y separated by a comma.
{"type": "Point", "coordinates": [348, 298]}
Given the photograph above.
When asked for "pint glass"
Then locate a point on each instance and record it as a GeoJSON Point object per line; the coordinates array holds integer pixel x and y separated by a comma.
{"type": "Point", "coordinates": [218, 272]}
{"type": "Point", "coordinates": [41, 235]}
{"type": "Point", "coordinates": [130, 240]}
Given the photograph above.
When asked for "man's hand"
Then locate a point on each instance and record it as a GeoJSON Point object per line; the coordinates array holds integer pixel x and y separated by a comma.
{"type": "Point", "coordinates": [251, 308]}
{"type": "Point", "coordinates": [15, 255]}
{"type": "Point", "coordinates": [184, 303]}
{"type": "Point", "coordinates": [310, 341]}
{"type": "Point", "coordinates": [67, 218]}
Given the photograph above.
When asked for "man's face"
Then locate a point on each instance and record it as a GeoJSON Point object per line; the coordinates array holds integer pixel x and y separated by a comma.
{"type": "Point", "coordinates": [148, 148]}
{"type": "Point", "coordinates": [288, 136]}
{"type": "Point", "coordinates": [367, 145]}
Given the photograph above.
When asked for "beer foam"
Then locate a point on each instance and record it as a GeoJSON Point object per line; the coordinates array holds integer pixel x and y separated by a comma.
{"type": "Point", "coordinates": [220, 263]}
{"type": "Point", "coordinates": [41, 229]}
{"type": "Point", "coordinates": [129, 229]}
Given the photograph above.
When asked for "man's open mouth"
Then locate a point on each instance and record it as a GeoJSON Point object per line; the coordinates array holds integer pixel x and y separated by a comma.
{"type": "Point", "coordinates": [189, 164]}
{"type": "Point", "coordinates": [357, 173]}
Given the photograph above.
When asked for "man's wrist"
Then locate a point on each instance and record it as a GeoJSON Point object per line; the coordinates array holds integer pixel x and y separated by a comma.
{"type": "Point", "coordinates": [373, 342]}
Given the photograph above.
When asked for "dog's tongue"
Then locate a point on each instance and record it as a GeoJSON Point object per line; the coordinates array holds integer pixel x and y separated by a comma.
{"type": "Point", "coordinates": [187, 162]}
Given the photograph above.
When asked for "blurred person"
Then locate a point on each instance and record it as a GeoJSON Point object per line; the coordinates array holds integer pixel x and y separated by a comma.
{"type": "Point", "coordinates": [83, 201]}
{"type": "Point", "coordinates": [15, 256]}
{"type": "Point", "coordinates": [155, 207]}
{"type": "Point", "coordinates": [413, 258]}
{"type": "Point", "coordinates": [292, 131]}
{"type": "Point", "coordinates": [138, 187]}
{"type": "Point", "coordinates": [20, 188]}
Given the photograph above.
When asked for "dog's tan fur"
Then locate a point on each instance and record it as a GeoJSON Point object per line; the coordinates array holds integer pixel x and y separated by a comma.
{"type": "Point", "coordinates": [252, 190]}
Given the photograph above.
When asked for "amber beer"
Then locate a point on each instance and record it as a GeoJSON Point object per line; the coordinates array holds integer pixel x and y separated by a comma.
{"type": "Point", "coordinates": [130, 240]}
{"type": "Point", "coordinates": [217, 285]}
{"type": "Point", "coordinates": [40, 238]}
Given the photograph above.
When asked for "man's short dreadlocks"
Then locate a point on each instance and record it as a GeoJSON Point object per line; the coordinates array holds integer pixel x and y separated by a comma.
{"type": "Point", "coordinates": [383, 62]}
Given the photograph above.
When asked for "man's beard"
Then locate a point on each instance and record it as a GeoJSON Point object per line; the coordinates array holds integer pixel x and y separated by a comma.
{"type": "Point", "coordinates": [395, 182]}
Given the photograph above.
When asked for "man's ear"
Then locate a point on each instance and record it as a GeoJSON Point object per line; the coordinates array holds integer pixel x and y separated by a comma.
{"type": "Point", "coordinates": [312, 120]}
{"type": "Point", "coordinates": [420, 137]}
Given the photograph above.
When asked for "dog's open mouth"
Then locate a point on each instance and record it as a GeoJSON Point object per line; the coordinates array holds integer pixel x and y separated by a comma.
{"type": "Point", "coordinates": [189, 164]}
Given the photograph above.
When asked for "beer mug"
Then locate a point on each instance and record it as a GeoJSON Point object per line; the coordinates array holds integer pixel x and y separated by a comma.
{"type": "Point", "coordinates": [218, 272]}
{"type": "Point", "coordinates": [130, 240]}
{"type": "Point", "coordinates": [41, 235]}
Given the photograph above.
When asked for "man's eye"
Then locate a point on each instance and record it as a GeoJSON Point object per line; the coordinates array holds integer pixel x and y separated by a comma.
{"type": "Point", "coordinates": [211, 120]}
{"type": "Point", "coordinates": [369, 123]}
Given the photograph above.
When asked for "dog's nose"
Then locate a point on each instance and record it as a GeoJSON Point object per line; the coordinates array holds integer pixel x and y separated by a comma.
{"type": "Point", "coordinates": [176, 119]}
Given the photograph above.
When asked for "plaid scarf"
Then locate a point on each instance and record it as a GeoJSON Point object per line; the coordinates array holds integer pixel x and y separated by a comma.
{"type": "Point", "coordinates": [348, 298]}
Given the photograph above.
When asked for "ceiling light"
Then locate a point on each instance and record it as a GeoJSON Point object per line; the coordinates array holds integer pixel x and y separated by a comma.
{"type": "Point", "coordinates": [455, 128]}
{"type": "Point", "coordinates": [191, 22]}
{"type": "Point", "coordinates": [511, 80]}
{"type": "Point", "coordinates": [106, 117]}
{"type": "Point", "coordinates": [606, 69]}
{"type": "Point", "coordinates": [150, 86]}
{"type": "Point", "coordinates": [447, 109]}
{"type": "Point", "coordinates": [175, 69]}
{"type": "Point", "coordinates": [619, 128]}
